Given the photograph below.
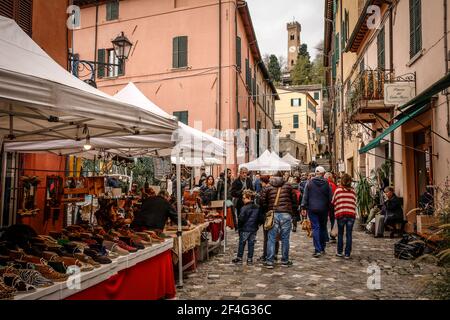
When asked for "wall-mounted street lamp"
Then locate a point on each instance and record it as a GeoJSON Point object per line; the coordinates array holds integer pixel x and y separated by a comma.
{"type": "Point", "coordinates": [122, 48]}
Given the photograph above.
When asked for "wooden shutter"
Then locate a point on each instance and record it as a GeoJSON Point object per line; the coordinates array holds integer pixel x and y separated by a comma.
{"type": "Point", "coordinates": [24, 15]}
{"type": "Point", "coordinates": [112, 10]}
{"type": "Point", "coordinates": [175, 53]}
{"type": "Point", "coordinates": [7, 8]}
{"type": "Point", "coordinates": [238, 53]}
{"type": "Point", "coordinates": [183, 52]}
{"type": "Point", "coordinates": [115, 10]}
{"type": "Point", "coordinates": [180, 52]}
{"type": "Point", "coordinates": [19, 10]}
{"type": "Point", "coordinates": [247, 72]}
{"type": "Point", "coordinates": [418, 25]}
{"type": "Point", "coordinates": [381, 50]}
{"type": "Point", "coordinates": [121, 68]}
{"type": "Point", "coordinates": [101, 56]}
{"type": "Point", "coordinates": [415, 26]}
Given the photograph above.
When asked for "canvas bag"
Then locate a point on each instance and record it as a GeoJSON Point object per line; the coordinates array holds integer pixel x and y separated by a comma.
{"type": "Point", "coordinates": [268, 224]}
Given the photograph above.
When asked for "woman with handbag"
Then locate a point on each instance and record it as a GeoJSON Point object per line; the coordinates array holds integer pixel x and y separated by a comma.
{"type": "Point", "coordinates": [265, 183]}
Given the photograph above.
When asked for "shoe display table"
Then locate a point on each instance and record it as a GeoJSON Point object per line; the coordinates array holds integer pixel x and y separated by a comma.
{"type": "Point", "coordinates": [144, 275]}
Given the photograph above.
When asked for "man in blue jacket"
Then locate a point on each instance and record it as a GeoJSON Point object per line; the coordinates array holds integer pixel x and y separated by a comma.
{"type": "Point", "coordinates": [316, 202]}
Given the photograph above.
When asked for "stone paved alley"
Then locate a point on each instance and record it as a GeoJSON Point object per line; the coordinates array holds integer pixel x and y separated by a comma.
{"type": "Point", "coordinates": [328, 277]}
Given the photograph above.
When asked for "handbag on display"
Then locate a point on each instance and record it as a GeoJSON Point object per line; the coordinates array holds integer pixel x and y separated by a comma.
{"type": "Point", "coordinates": [268, 223]}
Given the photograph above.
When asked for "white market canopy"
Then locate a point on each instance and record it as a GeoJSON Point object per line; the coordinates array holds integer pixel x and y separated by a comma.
{"type": "Point", "coordinates": [191, 143]}
{"type": "Point", "coordinates": [269, 162]}
{"type": "Point", "coordinates": [196, 147]}
{"type": "Point", "coordinates": [291, 160]}
{"type": "Point", "coordinates": [40, 100]}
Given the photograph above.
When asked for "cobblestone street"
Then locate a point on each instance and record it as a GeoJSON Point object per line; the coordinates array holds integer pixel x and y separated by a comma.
{"type": "Point", "coordinates": [328, 277]}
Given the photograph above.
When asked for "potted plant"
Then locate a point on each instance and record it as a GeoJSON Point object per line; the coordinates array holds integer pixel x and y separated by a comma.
{"type": "Point", "coordinates": [364, 197]}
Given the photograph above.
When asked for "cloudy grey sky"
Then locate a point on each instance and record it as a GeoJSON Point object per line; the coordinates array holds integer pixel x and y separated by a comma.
{"type": "Point", "coordinates": [270, 18]}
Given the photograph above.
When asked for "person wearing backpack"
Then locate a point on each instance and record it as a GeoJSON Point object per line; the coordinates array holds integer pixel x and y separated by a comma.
{"type": "Point", "coordinates": [316, 204]}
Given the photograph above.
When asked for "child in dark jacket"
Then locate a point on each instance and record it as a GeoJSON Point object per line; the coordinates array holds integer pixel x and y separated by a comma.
{"type": "Point", "coordinates": [249, 219]}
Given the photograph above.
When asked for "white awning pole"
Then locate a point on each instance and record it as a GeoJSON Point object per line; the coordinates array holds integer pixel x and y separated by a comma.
{"type": "Point", "coordinates": [225, 208]}
{"type": "Point", "coordinates": [180, 228]}
{"type": "Point", "coordinates": [2, 200]}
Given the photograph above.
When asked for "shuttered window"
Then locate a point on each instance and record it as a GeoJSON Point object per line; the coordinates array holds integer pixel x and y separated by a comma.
{"type": "Point", "coordinates": [295, 120]}
{"type": "Point", "coordinates": [101, 58]}
{"type": "Point", "coordinates": [182, 116]}
{"type": "Point", "coordinates": [381, 50]}
{"type": "Point", "coordinates": [19, 10]}
{"type": "Point", "coordinates": [180, 52]}
{"type": "Point", "coordinates": [239, 53]}
{"type": "Point", "coordinates": [112, 10]}
{"type": "Point", "coordinates": [415, 26]}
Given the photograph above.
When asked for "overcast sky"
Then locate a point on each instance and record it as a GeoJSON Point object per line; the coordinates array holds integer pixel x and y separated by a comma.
{"type": "Point", "coordinates": [270, 17]}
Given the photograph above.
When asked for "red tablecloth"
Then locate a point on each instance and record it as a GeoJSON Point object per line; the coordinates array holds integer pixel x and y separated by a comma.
{"type": "Point", "coordinates": [216, 229]}
{"type": "Point", "coordinates": [152, 279]}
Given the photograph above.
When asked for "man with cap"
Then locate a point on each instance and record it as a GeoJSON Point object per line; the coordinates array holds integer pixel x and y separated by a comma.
{"type": "Point", "coordinates": [316, 202]}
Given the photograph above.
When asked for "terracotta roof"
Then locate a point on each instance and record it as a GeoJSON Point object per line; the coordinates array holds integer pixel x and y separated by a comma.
{"type": "Point", "coordinates": [328, 30]}
{"type": "Point", "coordinates": [361, 29]}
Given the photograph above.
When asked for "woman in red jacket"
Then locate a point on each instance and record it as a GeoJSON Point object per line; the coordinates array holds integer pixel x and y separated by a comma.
{"type": "Point", "coordinates": [344, 202]}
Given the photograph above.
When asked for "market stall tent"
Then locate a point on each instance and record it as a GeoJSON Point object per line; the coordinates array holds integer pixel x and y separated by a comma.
{"type": "Point", "coordinates": [269, 162]}
{"type": "Point", "coordinates": [40, 100]}
{"type": "Point", "coordinates": [291, 160]}
{"type": "Point", "coordinates": [190, 142]}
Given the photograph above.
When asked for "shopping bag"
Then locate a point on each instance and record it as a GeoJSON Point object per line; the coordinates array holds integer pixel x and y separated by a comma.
{"type": "Point", "coordinates": [334, 231]}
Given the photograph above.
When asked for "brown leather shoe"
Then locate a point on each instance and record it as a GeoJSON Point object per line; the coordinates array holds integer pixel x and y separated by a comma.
{"type": "Point", "coordinates": [49, 273]}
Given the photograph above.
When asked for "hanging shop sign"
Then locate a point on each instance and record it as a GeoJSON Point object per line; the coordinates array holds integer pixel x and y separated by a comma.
{"type": "Point", "coordinates": [399, 93]}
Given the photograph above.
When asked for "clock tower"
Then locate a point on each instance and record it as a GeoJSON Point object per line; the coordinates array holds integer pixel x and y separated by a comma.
{"type": "Point", "coordinates": [294, 31]}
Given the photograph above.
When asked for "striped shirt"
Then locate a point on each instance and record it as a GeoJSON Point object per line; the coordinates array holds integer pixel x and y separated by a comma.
{"type": "Point", "coordinates": [344, 202]}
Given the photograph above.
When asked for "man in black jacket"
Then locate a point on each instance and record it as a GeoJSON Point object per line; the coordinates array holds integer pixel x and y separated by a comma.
{"type": "Point", "coordinates": [316, 202]}
{"type": "Point", "coordinates": [243, 182]}
{"type": "Point", "coordinates": [154, 214]}
{"type": "Point", "coordinates": [392, 211]}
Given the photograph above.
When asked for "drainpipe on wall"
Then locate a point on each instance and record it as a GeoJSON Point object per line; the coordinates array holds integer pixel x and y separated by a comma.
{"type": "Point", "coordinates": [96, 40]}
{"type": "Point", "coordinates": [342, 91]}
{"type": "Point", "coordinates": [391, 67]}
{"type": "Point", "coordinates": [446, 62]}
{"type": "Point", "coordinates": [220, 67]}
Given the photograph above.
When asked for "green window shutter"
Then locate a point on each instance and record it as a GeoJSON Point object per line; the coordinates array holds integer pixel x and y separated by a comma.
{"type": "Point", "coordinates": [418, 30]}
{"type": "Point", "coordinates": [121, 68]}
{"type": "Point", "coordinates": [238, 53]}
{"type": "Point", "coordinates": [337, 49]}
{"type": "Point", "coordinates": [247, 72]}
{"type": "Point", "coordinates": [254, 89]}
{"type": "Point", "coordinates": [415, 26]}
{"type": "Point", "coordinates": [381, 50]}
{"type": "Point", "coordinates": [101, 56]}
{"type": "Point", "coordinates": [175, 53]}
{"type": "Point", "coordinates": [115, 10]}
{"type": "Point", "coordinates": [112, 10]}
{"type": "Point", "coordinates": [183, 52]}
{"type": "Point", "coordinates": [295, 121]}
{"type": "Point", "coordinates": [292, 102]}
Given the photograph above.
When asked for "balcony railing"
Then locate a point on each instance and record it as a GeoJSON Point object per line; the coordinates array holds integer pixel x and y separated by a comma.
{"type": "Point", "coordinates": [366, 93]}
